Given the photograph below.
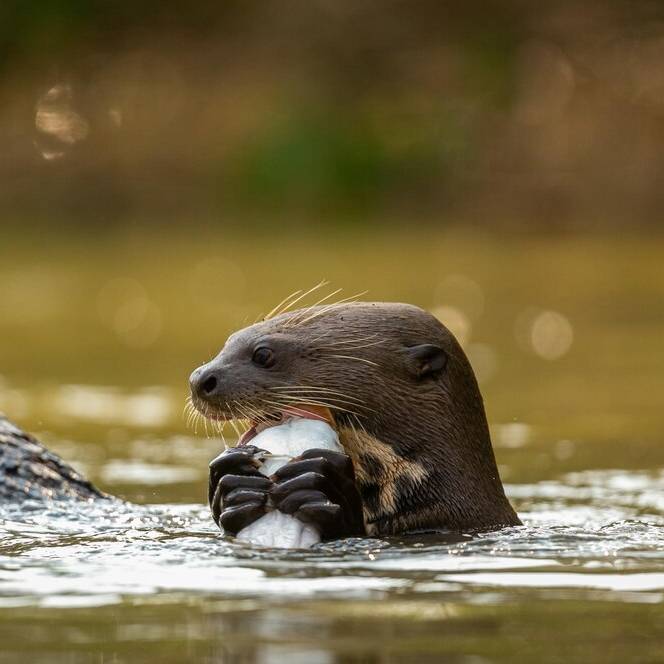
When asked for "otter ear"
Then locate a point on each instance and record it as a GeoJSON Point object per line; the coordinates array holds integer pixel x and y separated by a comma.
{"type": "Point", "coordinates": [425, 360]}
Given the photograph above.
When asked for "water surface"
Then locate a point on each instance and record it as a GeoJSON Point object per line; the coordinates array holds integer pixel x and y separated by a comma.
{"type": "Point", "coordinates": [97, 340]}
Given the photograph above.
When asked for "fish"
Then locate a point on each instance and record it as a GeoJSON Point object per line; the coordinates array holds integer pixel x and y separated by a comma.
{"type": "Point", "coordinates": [282, 443]}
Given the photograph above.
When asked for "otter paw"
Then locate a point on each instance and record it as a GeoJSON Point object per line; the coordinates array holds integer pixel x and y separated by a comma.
{"type": "Point", "coordinates": [319, 488]}
{"type": "Point", "coordinates": [237, 492]}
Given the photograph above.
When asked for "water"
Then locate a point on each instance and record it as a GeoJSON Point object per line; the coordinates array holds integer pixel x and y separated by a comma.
{"type": "Point", "coordinates": [570, 362]}
{"type": "Point", "coordinates": [592, 539]}
{"type": "Point", "coordinates": [570, 540]}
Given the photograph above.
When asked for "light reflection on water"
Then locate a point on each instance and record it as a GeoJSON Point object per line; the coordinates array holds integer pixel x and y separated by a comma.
{"type": "Point", "coordinates": [590, 531]}
{"type": "Point", "coordinates": [146, 407]}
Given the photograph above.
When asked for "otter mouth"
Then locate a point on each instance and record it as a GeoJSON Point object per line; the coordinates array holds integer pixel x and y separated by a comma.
{"type": "Point", "coordinates": [268, 420]}
{"type": "Point", "coordinates": [302, 411]}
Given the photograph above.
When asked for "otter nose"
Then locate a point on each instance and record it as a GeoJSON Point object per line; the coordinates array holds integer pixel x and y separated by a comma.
{"type": "Point", "coordinates": [204, 381]}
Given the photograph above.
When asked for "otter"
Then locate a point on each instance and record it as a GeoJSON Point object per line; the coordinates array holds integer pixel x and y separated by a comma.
{"type": "Point", "coordinates": [392, 380]}
{"type": "Point", "coordinates": [403, 397]}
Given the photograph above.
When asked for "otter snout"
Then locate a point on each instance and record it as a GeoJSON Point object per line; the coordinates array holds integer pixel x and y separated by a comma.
{"type": "Point", "coordinates": [205, 382]}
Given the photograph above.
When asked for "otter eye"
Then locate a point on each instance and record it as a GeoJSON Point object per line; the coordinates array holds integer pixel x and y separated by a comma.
{"type": "Point", "coordinates": [263, 357]}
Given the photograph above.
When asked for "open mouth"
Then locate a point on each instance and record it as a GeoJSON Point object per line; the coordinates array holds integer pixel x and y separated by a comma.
{"type": "Point", "coordinates": [274, 419]}
{"type": "Point", "coordinates": [302, 411]}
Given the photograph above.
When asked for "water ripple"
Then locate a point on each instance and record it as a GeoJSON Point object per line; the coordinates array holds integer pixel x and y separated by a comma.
{"type": "Point", "coordinates": [93, 554]}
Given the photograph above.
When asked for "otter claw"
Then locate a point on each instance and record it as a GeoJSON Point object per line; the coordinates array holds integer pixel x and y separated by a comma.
{"type": "Point", "coordinates": [234, 519]}
{"type": "Point", "coordinates": [319, 488]}
{"type": "Point", "coordinates": [328, 518]}
{"type": "Point", "coordinates": [237, 492]}
{"type": "Point", "coordinates": [236, 461]}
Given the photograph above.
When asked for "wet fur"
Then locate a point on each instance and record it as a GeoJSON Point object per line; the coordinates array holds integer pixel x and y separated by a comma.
{"type": "Point", "coordinates": [420, 445]}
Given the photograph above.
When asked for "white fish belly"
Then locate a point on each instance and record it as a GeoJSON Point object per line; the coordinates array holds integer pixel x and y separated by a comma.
{"type": "Point", "coordinates": [276, 529]}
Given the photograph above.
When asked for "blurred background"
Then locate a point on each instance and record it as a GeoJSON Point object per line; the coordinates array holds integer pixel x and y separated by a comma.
{"type": "Point", "coordinates": [168, 176]}
{"type": "Point", "coordinates": [495, 114]}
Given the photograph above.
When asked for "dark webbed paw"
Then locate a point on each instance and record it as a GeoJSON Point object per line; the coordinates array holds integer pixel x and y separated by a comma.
{"type": "Point", "coordinates": [319, 488]}
{"type": "Point", "coordinates": [237, 492]}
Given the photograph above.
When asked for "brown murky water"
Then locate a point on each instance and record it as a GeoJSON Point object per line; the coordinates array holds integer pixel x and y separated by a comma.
{"type": "Point", "coordinates": [98, 338]}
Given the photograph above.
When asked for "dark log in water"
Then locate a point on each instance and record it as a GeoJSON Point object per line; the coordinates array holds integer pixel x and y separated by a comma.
{"type": "Point", "coordinates": [28, 471]}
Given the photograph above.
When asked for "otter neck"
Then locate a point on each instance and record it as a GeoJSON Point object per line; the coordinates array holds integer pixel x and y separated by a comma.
{"type": "Point", "coordinates": [430, 478]}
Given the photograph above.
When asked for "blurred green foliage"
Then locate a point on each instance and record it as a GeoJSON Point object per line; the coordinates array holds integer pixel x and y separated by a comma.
{"type": "Point", "coordinates": [315, 161]}
{"type": "Point", "coordinates": [546, 115]}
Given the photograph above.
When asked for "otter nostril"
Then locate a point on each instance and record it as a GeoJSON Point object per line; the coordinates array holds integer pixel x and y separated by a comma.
{"type": "Point", "coordinates": [209, 384]}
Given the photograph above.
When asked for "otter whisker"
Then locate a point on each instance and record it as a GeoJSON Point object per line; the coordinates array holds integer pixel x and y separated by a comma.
{"type": "Point", "coordinates": [203, 419]}
{"type": "Point", "coordinates": [234, 425]}
{"type": "Point", "coordinates": [249, 412]}
{"type": "Point", "coordinates": [220, 430]}
{"type": "Point", "coordinates": [344, 342]}
{"type": "Point", "coordinates": [260, 414]}
{"type": "Point", "coordinates": [350, 347]}
{"type": "Point", "coordinates": [290, 402]}
{"type": "Point", "coordinates": [194, 415]}
{"type": "Point", "coordinates": [338, 402]}
{"type": "Point", "coordinates": [191, 417]}
{"type": "Point", "coordinates": [322, 299]}
{"type": "Point", "coordinates": [359, 423]}
{"type": "Point", "coordinates": [352, 426]}
{"type": "Point", "coordinates": [193, 420]}
{"type": "Point", "coordinates": [302, 403]}
{"type": "Point", "coordinates": [277, 309]}
{"type": "Point", "coordinates": [205, 422]}
{"type": "Point", "coordinates": [353, 357]}
{"type": "Point", "coordinates": [233, 420]}
{"type": "Point", "coordinates": [243, 423]}
{"type": "Point", "coordinates": [295, 405]}
{"type": "Point", "coordinates": [313, 388]}
{"type": "Point", "coordinates": [314, 400]}
{"type": "Point", "coordinates": [344, 408]}
{"type": "Point", "coordinates": [256, 414]}
{"type": "Point", "coordinates": [188, 411]}
{"type": "Point", "coordinates": [288, 302]}
{"type": "Point", "coordinates": [189, 408]}
{"type": "Point", "coordinates": [298, 386]}
{"type": "Point", "coordinates": [240, 409]}
{"type": "Point", "coordinates": [293, 320]}
{"type": "Point", "coordinates": [290, 389]}
{"type": "Point", "coordinates": [326, 309]}
{"type": "Point", "coordinates": [279, 406]}
{"type": "Point", "coordinates": [200, 419]}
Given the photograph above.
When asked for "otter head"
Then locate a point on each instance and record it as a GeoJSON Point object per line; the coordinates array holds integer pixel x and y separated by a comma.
{"type": "Point", "coordinates": [398, 388]}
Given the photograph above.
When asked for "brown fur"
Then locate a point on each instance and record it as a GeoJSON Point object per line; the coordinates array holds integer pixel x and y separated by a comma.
{"type": "Point", "coordinates": [378, 466]}
{"type": "Point", "coordinates": [420, 445]}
